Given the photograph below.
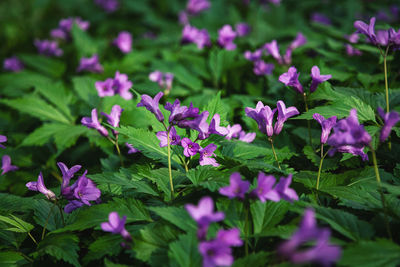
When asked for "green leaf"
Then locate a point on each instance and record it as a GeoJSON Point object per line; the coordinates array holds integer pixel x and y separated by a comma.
{"type": "Point", "coordinates": [48, 214]}
{"type": "Point", "coordinates": [215, 106]}
{"type": "Point", "coordinates": [11, 259]}
{"type": "Point", "coordinates": [102, 246]}
{"type": "Point", "coordinates": [84, 44]}
{"type": "Point", "coordinates": [20, 225]}
{"type": "Point", "coordinates": [177, 216]}
{"type": "Point", "coordinates": [258, 259]}
{"type": "Point", "coordinates": [62, 247]}
{"type": "Point", "coordinates": [57, 95]}
{"type": "Point", "coordinates": [11, 83]}
{"type": "Point", "coordinates": [13, 203]}
{"type": "Point", "coordinates": [46, 65]}
{"type": "Point", "coordinates": [84, 87]}
{"type": "Point", "coordinates": [267, 215]}
{"type": "Point", "coordinates": [36, 107]}
{"type": "Point", "coordinates": [371, 253]}
{"type": "Point", "coordinates": [327, 164]}
{"type": "Point", "coordinates": [187, 78]}
{"type": "Point", "coordinates": [184, 251]}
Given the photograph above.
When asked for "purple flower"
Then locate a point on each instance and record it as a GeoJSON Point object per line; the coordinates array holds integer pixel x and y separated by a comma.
{"type": "Point", "coordinates": [199, 124]}
{"type": "Point", "coordinates": [351, 51]}
{"type": "Point", "coordinates": [67, 174]}
{"type": "Point", "coordinates": [164, 80]}
{"type": "Point", "coordinates": [283, 114]}
{"type": "Point", "coordinates": [356, 151]}
{"type": "Point", "coordinates": [116, 225]}
{"type": "Point", "coordinates": [124, 42]}
{"type": "Point", "coordinates": [390, 119]}
{"type": "Point", "coordinates": [317, 78]}
{"type": "Point", "coordinates": [215, 128]}
{"type": "Point", "coordinates": [320, 18]}
{"type": "Point", "coordinates": [114, 117]}
{"type": "Point", "coordinates": [297, 42]}
{"type": "Point", "coordinates": [264, 116]}
{"type": "Point", "coordinates": [326, 124]}
{"type": "Point", "coordinates": [253, 56]}
{"type": "Point", "coordinates": [191, 34]}
{"type": "Point", "coordinates": [204, 214]}
{"type": "Point", "coordinates": [194, 7]}
{"type": "Point", "coordinates": [183, 18]}
{"type": "Point", "coordinates": [94, 123]}
{"type": "Point", "coordinates": [273, 49]}
{"type": "Point", "coordinates": [65, 25]}
{"type": "Point", "coordinates": [85, 190]}
{"type": "Point", "coordinates": [233, 131]}
{"type": "Point", "coordinates": [39, 186]}
{"type": "Point", "coordinates": [321, 253]}
{"type": "Point", "coordinates": [131, 150]}
{"type": "Point", "coordinates": [13, 64]}
{"type": "Point", "coordinates": [105, 88]}
{"type": "Point", "coordinates": [226, 35]}
{"type": "Point", "coordinates": [119, 85]}
{"type": "Point", "coordinates": [218, 252]}
{"type": "Point", "coordinates": [179, 113]}
{"type": "Point", "coordinates": [237, 187]}
{"type": "Point", "coordinates": [247, 137]}
{"type": "Point", "coordinates": [3, 139]}
{"type": "Point", "coordinates": [108, 5]}
{"type": "Point", "coordinates": [206, 155]}
{"type": "Point", "coordinates": [264, 190]}
{"type": "Point", "coordinates": [90, 64]}
{"type": "Point", "coordinates": [242, 29]}
{"type": "Point", "coordinates": [282, 187]}
{"type": "Point", "coordinates": [152, 105]}
{"type": "Point", "coordinates": [48, 48]}
{"type": "Point", "coordinates": [174, 139]}
{"type": "Point", "coordinates": [261, 68]}
{"type": "Point", "coordinates": [367, 29]}
{"type": "Point", "coordinates": [291, 78]}
{"type": "Point", "coordinates": [6, 165]}
{"type": "Point", "coordinates": [72, 205]}
{"type": "Point", "coordinates": [189, 148]}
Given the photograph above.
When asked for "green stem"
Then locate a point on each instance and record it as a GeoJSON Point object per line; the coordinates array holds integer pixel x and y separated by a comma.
{"type": "Point", "coordinates": [169, 164]}
{"type": "Point", "coordinates": [378, 180]}
{"type": "Point", "coordinates": [320, 165]}
{"type": "Point", "coordinates": [308, 122]}
{"type": "Point", "coordinates": [62, 215]}
{"type": "Point", "coordinates": [26, 257]}
{"type": "Point", "coordinates": [47, 221]}
{"type": "Point", "coordinates": [33, 239]}
{"type": "Point", "coordinates": [273, 151]}
{"type": "Point", "coordinates": [119, 151]}
{"type": "Point", "coordinates": [246, 228]}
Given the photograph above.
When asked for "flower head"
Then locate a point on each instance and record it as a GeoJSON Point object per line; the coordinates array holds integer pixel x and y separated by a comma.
{"type": "Point", "coordinates": [114, 117]}
{"type": "Point", "coordinates": [253, 56]}
{"type": "Point", "coordinates": [246, 137]}
{"type": "Point", "coordinates": [194, 7]}
{"type": "Point", "coordinates": [317, 78]}
{"type": "Point", "coordinates": [237, 187]}
{"type": "Point", "coordinates": [226, 35]}
{"type": "Point", "coordinates": [215, 128]}
{"type": "Point", "coordinates": [94, 123]}
{"type": "Point", "coordinates": [73, 205]}
{"type": "Point", "coordinates": [291, 78]}
{"type": "Point", "coordinates": [152, 105]}
{"type": "Point", "coordinates": [264, 190]}
{"type": "Point", "coordinates": [67, 174]}
{"type": "Point", "coordinates": [120, 84]}
{"type": "Point", "coordinates": [85, 190]}
{"type": "Point", "coordinates": [199, 124]}
{"type": "Point", "coordinates": [326, 124]}
{"type": "Point", "coordinates": [48, 48]}
{"type": "Point", "coordinates": [233, 131]}
{"type": "Point", "coordinates": [273, 49]}
{"type": "Point", "coordinates": [13, 64]}
{"type": "Point", "coordinates": [164, 80]}
{"type": "Point", "coordinates": [131, 150]}
{"type": "Point", "coordinates": [3, 139]}
{"type": "Point", "coordinates": [90, 64]}
{"type": "Point", "coordinates": [39, 186]}
{"type": "Point", "coordinates": [6, 165]}
{"type": "Point", "coordinates": [124, 42]}
{"type": "Point", "coordinates": [390, 119]}
{"type": "Point", "coordinates": [108, 5]}
{"type": "Point", "coordinates": [105, 88]}
{"type": "Point", "coordinates": [367, 29]}
{"type": "Point", "coordinates": [180, 113]}
{"type": "Point", "coordinates": [174, 138]}
{"type": "Point", "coordinates": [65, 25]}
{"type": "Point", "coordinates": [189, 148]}
{"type": "Point", "coordinates": [282, 188]}
{"type": "Point", "coordinates": [206, 155]}
{"type": "Point", "coordinates": [261, 68]}
{"type": "Point", "coordinates": [283, 114]}
{"type": "Point", "coordinates": [320, 18]}
{"type": "Point", "coordinates": [242, 29]}
{"type": "Point", "coordinates": [264, 116]}
{"type": "Point", "coordinates": [116, 225]}
{"type": "Point", "coordinates": [191, 34]}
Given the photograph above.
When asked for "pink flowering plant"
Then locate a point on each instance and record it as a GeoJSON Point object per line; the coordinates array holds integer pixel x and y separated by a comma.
{"type": "Point", "coordinates": [199, 133]}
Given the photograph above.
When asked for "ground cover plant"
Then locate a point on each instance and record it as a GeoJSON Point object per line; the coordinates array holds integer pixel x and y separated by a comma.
{"type": "Point", "coordinates": [199, 133]}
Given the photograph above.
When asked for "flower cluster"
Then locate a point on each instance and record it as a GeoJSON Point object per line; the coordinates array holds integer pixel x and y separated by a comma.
{"type": "Point", "coordinates": [191, 34]}
{"type": "Point", "coordinates": [164, 80]}
{"type": "Point", "coordinates": [320, 18]}
{"type": "Point", "coordinates": [382, 37]}
{"type": "Point", "coordinates": [193, 8]}
{"type": "Point", "coordinates": [235, 131]}
{"type": "Point", "coordinates": [124, 42]}
{"type": "Point", "coordinates": [13, 64]}
{"type": "Point", "coordinates": [350, 50]}
{"type": "Point", "coordinates": [321, 253]}
{"type": "Point", "coordinates": [226, 36]}
{"type": "Point", "coordinates": [108, 5]}
{"type": "Point", "coordinates": [265, 189]}
{"type": "Point", "coordinates": [63, 31]}
{"type": "Point", "coordinates": [218, 251]}
{"type": "Point", "coordinates": [116, 225]}
{"type": "Point", "coordinates": [90, 64]}
{"type": "Point", "coordinates": [272, 48]}
{"type": "Point", "coordinates": [78, 194]}
{"type": "Point", "coordinates": [48, 48]}
{"type": "Point", "coordinates": [112, 119]}
{"type": "Point", "coordinates": [291, 78]}
{"type": "Point", "coordinates": [119, 85]}
{"type": "Point", "coordinates": [264, 117]}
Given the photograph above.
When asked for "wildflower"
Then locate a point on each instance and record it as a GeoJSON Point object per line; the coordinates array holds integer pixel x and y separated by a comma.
{"type": "Point", "coordinates": [291, 78]}
{"type": "Point", "coordinates": [367, 29]}
{"type": "Point", "coordinates": [218, 252]}
{"type": "Point", "coordinates": [116, 225]}
{"type": "Point", "coordinates": [85, 190]}
{"type": "Point", "coordinates": [264, 116]}
{"type": "Point", "coordinates": [282, 188]}
{"type": "Point", "coordinates": [390, 119]}
{"type": "Point", "coordinates": [215, 128]}
{"type": "Point", "coordinates": [13, 64]}
{"type": "Point", "coordinates": [72, 205]}
{"type": "Point", "coordinates": [90, 64]}
{"type": "Point", "coordinates": [114, 117]}
{"type": "Point", "coordinates": [119, 85]}
{"type": "Point", "coordinates": [247, 137]}
{"type": "Point", "coordinates": [253, 56]}
{"type": "Point", "coordinates": [3, 139]}
{"type": "Point", "coordinates": [191, 34]}
{"type": "Point", "coordinates": [94, 123]}
{"type": "Point", "coordinates": [233, 131]}
{"type": "Point", "coordinates": [48, 48]}
{"type": "Point", "coordinates": [326, 124]}
{"type": "Point", "coordinates": [357, 151]}
{"type": "Point", "coordinates": [320, 18]}
{"type": "Point", "coordinates": [206, 155]}
{"type": "Point", "coordinates": [237, 187]}
{"type": "Point", "coordinates": [67, 174]}
{"type": "Point", "coordinates": [124, 42]}
{"type": "Point", "coordinates": [6, 165]}
{"type": "Point", "coordinates": [194, 7]}
{"type": "Point", "coordinates": [321, 253]}
{"type": "Point", "coordinates": [180, 113]}
{"type": "Point", "coordinates": [273, 49]}
{"type": "Point", "coordinates": [108, 5]}
{"type": "Point", "coordinates": [350, 50]}
{"type": "Point", "coordinates": [226, 35]}
{"type": "Point", "coordinates": [65, 25]}
{"type": "Point", "coordinates": [189, 148]}
{"type": "Point", "coordinates": [283, 114]}
{"type": "Point", "coordinates": [39, 186]}
{"type": "Point", "coordinates": [174, 139]}
{"type": "Point", "coordinates": [261, 68]}
{"type": "Point", "coordinates": [199, 124]}
{"type": "Point", "coordinates": [164, 80]}
{"type": "Point", "coordinates": [131, 150]}
{"type": "Point", "coordinates": [242, 29]}
{"type": "Point", "coordinates": [105, 88]}
{"type": "Point", "coordinates": [204, 214]}
{"type": "Point", "coordinates": [317, 78]}
{"type": "Point", "coordinates": [152, 105]}
{"type": "Point", "coordinates": [264, 190]}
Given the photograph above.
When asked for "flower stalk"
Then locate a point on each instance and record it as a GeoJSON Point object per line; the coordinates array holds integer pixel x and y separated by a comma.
{"type": "Point", "coordinates": [273, 151]}
{"type": "Point", "coordinates": [308, 122]}
{"type": "Point", "coordinates": [169, 162]}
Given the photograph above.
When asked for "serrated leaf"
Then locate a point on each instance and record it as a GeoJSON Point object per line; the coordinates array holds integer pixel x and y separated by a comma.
{"type": "Point", "coordinates": [184, 251]}
{"type": "Point", "coordinates": [267, 215]}
{"type": "Point", "coordinates": [56, 94]}
{"type": "Point", "coordinates": [62, 247]}
{"type": "Point", "coordinates": [48, 214]}
{"type": "Point", "coordinates": [104, 245]}
{"type": "Point", "coordinates": [84, 44]}
{"type": "Point", "coordinates": [85, 89]}
{"type": "Point", "coordinates": [20, 225]}
{"type": "Point", "coordinates": [215, 106]}
{"type": "Point", "coordinates": [327, 164]}
{"type": "Point", "coordinates": [11, 258]}
{"type": "Point", "coordinates": [258, 259]}
{"type": "Point", "coordinates": [177, 216]}
{"type": "Point", "coordinates": [46, 65]}
{"type": "Point", "coordinates": [11, 203]}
